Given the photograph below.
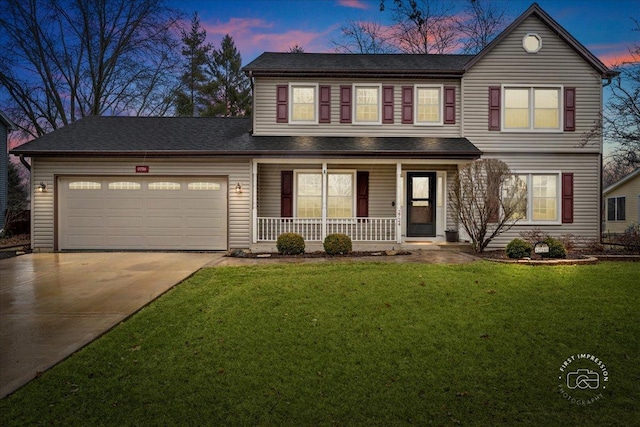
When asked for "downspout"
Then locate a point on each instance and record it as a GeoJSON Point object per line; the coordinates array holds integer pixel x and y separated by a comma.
{"type": "Point", "coordinates": [25, 163]}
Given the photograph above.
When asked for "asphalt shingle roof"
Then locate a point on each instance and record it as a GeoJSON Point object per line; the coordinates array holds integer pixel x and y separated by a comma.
{"type": "Point", "coordinates": [102, 136]}
{"type": "Point", "coordinates": [284, 64]}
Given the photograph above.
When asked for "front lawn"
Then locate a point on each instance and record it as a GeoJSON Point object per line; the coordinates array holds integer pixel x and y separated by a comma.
{"type": "Point", "coordinates": [356, 344]}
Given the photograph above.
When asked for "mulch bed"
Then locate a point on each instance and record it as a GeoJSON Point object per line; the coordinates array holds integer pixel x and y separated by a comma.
{"type": "Point", "coordinates": [317, 254]}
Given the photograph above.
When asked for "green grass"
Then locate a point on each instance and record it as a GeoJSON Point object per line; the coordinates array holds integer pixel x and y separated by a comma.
{"type": "Point", "coordinates": [356, 344]}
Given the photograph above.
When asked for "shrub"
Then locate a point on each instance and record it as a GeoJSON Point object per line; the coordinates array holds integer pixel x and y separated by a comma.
{"type": "Point", "coordinates": [630, 239]}
{"type": "Point", "coordinates": [556, 248]}
{"type": "Point", "coordinates": [337, 244]}
{"type": "Point", "coordinates": [534, 236]}
{"type": "Point", "coordinates": [290, 244]}
{"type": "Point", "coordinates": [569, 241]}
{"type": "Point", "coordinates": [518, 248]}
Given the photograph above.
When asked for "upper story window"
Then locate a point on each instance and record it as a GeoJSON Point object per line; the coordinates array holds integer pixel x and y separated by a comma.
{"type": "Point", "coordinates": [531, 43]}
{"type": "Point", "coordinates": [429, 105]}
{"type": "Point", "coordinates": [303, 103]}
{"type": "Point", "coordinates": [367, 104]}
{"type": "Point", "coordinates": [532, 108]}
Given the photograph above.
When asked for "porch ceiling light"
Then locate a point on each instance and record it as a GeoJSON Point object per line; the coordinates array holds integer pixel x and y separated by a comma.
{"type": "Point", "coordinates": [238, 188]}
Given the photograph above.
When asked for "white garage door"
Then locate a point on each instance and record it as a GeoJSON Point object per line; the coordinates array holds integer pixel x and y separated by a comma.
{"type": "Point", "coordinates": [142, 213]}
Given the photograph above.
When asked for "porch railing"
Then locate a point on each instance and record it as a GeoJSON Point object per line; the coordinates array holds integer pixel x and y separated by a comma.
{"type": "Point", "coordinates": [358, 229]}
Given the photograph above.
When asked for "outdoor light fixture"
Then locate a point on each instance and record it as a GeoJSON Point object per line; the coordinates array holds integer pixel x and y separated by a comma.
{"type": "Point", "coordinates": [42, 188]}
{"type": "Point", "coordinates": [238, 188]}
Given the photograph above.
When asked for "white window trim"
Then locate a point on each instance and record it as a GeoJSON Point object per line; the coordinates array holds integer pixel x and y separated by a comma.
{"type": "Point", "coordinates": [536, 35]}
{"type": "Point", "coordinates": [531, 129]}
{"type": "Point", "coordinates": [316, 103]}
{"type": "Point", "coordinates": [354, 107]}
{"type": "Point", "coordinates": [530, 221]}
{"type": "Point", "coordinates": [416, 122]}
{"type": "Point", "coordinates": [324, 197]}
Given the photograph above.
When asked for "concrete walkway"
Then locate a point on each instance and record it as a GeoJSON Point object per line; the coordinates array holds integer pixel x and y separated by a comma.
{"type": "Point", "coordinates": [51, 305]}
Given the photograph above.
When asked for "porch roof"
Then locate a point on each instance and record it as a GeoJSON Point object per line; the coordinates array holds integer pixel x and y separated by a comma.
{"type": "Point", "coordinates": [100, 136]}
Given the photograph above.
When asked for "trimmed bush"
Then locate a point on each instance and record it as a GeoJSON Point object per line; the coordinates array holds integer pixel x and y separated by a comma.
{"type": "Point", "coordinates": [290, 244]}
{"type": "Point", "coordinates": [518, 248]}
{"type": "Point", "coordinates": [556, 248]}
{"type": "Point", "coordinates": [337, 244]}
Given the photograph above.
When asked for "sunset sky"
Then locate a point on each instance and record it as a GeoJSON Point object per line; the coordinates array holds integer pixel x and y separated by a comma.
{"type": "Point", "coordinates": [604, 27]}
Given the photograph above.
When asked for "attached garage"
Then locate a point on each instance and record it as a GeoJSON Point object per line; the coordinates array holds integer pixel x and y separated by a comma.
{"type": "Point", "coordinates": [135, 213]}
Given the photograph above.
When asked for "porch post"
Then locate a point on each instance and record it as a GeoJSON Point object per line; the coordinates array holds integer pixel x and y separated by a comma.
{"type": "Point", "coordinates": [324, 201]}
{"type": "Point", "coordinates": [254, 200]}
{"type": "Point", "coordinates": [399, 202]}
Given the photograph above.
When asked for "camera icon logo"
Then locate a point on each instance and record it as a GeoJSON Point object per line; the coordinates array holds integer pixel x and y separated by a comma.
{"type": "Point", "coordinates": [583, 379]}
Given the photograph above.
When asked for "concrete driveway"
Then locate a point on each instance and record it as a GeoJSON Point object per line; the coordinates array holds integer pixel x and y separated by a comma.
{"type": "Point", "coordinates": [53, 304]}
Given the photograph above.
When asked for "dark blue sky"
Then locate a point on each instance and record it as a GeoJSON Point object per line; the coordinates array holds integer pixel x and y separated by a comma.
{"type": "Point", "coordinates": [604, 27]}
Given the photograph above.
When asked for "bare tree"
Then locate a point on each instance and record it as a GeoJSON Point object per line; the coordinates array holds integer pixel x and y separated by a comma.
{"type": "Point", "coordinates": [63, 60]}
{"type": "Point", "coordinates": [481, 21]}
{"type": "Point", "coordinates": [296, 48]}
{"type": "Point", "coordinates": [425, 26]}
{"type": "Point", "coordinates": [364, 37]}
{"type": "Point", "coordinates": [487, 200]}
{"type": "Point", "coordinates": [622, 112]}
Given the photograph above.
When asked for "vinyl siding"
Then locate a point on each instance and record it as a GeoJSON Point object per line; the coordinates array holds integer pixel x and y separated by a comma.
{"type": "Point", "coordinates": [45, 170]}
{"type": "Point", "coordinates": [586, 184]}
{"type": "Point", "coordinates": [631, 191]}
{"type": "Point", "coordinates": [265, 111]}
{"type": "Point", "coordinates": [555, 64]}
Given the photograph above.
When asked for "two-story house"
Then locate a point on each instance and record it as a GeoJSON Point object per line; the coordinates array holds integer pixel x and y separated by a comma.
{"type": "Point", "coordinates": [365, 145]}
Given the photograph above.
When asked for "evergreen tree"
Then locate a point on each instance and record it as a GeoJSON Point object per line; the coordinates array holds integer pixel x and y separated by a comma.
{"type": "Point", "coordinates": [17, 196]}
{"type": "Point", "coordinates": [190, 99]}
{"type": "Point", "coordinates": [229, 89]}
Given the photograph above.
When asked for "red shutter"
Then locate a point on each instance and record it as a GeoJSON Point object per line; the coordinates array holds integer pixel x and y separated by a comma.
{"type": "Point", "coordinates": [325, 104]}
{"type": "Point", "coordinates": [282, 107]}
{"type": "Point", "coordinates": [569, 109]}
{"type": "Point", "coordinates": [407, 104]}
{"type": "Point", "coordinates": [363, 194]}
{"type": "Point", "coordinates": [387, 104]}
{"type": "Point", "coordinates": [494, 107]}
{"type": "Point", "coordinates": [449, 105]}
{"type": "Point", "coordinates": [286, 194]}
{"type": "Point", "coordinates": [567, 198]}
{"type": "Point", "coordinates": [345, 104]}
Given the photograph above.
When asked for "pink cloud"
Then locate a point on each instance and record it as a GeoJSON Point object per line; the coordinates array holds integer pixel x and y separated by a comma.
{"type": "Point", "coordinates": [252, 36]}
{"type": "Point", "coordinates": [354, 4]}
{"type": "Point", "coordinates": [615, 59]}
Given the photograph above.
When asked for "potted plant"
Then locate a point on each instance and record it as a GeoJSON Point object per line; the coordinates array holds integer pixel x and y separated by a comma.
{"type": "Point", "coordinates": [452, 235]}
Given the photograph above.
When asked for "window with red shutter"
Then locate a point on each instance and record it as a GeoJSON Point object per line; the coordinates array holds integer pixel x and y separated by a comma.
{"type": "Point", "coordinates": [494, 107]}
{"type": "Point", "coordinates": [407, 104]}
{"type": "Point", "coordinates": [567, 198]}
{"type": "Point", "coordinates": [449, 105]}
{"type": "Point", "coordinates": [282, 107]}
{"type": "Point", "coordinates": [345, 104]}
{"type": "Point", "coordinates": [387, 104]}
{"type": "Point", "coordinates": [569, 109]}
{"type": "Point", "coordinates": [325, 104]}
{"type": "Point", "coordinates": [286, 194]}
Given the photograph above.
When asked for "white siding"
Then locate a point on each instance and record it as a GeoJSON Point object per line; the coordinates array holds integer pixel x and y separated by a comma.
{"type": "Point", "coordinates": [586, 198]}
{"type": "Point", "coordinates": [555, 64]}
{"type": "Point", "coordinates": [631, 191]}
{"type": "Point", "coordinates": [265, 111]}
{"type": "Point", "coordinates": [46, 170]}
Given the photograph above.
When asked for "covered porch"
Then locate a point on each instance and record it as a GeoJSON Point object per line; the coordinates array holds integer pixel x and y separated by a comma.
{"type": "Point", "coordinates": [379, 204]}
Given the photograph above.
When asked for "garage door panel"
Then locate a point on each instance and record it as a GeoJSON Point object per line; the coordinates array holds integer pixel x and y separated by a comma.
{"type": "Point", "coordinates": [110, 215]}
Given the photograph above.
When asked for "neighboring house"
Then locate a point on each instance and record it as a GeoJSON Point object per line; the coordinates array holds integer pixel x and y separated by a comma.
{"type": "Point", "coordinates": [6, 126]}
{"type": "Point", "coordinates": [366, 145]}
{"type": "Point", "coordinates": [622, 203]}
